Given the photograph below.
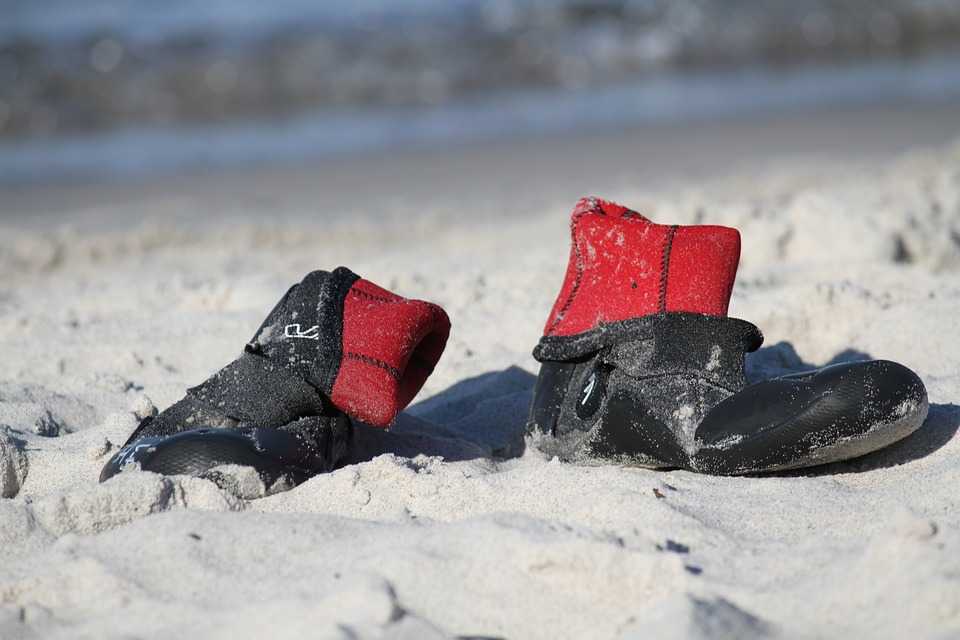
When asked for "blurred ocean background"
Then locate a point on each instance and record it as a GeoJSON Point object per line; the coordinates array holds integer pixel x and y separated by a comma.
{"type": "Point", "coordinates": [117, 88]}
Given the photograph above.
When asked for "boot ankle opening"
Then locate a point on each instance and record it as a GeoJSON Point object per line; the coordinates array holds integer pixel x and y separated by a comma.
{"type": "Point", "coordinates": [423, 358]}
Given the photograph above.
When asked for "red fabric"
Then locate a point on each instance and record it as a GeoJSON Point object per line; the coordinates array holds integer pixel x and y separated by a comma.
{"type": "Point", "coordinates": [623, 266]}
{"type": "Point", "coordinates": [390, 346]}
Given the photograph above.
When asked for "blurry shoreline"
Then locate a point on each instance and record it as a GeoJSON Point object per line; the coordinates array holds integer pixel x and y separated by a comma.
{"type": "Point", "coordinates": [67, 68]}
{"type": "Point", "coordinates": [152, 151]}
{"type": "Point", "coordinates": [507, 176]}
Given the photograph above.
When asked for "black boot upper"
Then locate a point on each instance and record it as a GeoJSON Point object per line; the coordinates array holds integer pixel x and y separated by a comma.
{"type": "Point", "coordinates": [669, 390]}
{"type": "Point", "coordinates": [271, 403]}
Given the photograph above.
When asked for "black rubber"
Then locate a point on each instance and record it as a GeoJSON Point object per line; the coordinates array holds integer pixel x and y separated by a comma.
{"type": "Point", "coordinates": [835, 413]}
{"type": "Point", "coordinates": [669, 391]}
{"type": "Point", "coordinates": [277, 455]}
{"type": "Point", "coordinates": [269, 408]}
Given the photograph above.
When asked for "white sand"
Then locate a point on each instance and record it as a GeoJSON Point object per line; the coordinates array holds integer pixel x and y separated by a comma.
{"type": "Point", "coordinates": [435, 530]}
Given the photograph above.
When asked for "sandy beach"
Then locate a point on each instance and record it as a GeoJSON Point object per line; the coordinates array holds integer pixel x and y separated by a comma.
{"type": "Point", "coordinates": [114, 298]}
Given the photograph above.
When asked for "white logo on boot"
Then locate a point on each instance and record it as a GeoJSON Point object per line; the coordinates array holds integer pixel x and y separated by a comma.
{"type": "Point", "coordinates": [293, 331]}
{"type": "Point", "coordinates": [587, 390]}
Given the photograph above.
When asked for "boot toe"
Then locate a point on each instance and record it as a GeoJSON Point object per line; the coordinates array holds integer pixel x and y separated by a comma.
{"type": "Point", "coordinates": [835, 413]}
{"type": "Point", "coordinates": [273, 453]}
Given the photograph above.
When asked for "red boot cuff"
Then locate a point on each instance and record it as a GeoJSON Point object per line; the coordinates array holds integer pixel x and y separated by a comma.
{"type": "Point", "coordinates": [623, 266]}
{"type": "Point", "coordinates": [390, 346]}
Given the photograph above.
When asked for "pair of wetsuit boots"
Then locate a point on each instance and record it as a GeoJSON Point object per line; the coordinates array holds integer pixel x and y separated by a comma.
{"type": "Point", "coordinates": [640, 365]}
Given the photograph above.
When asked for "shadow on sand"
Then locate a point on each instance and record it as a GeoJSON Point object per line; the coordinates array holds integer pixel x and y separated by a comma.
{"type": "Point", "coordinates": [485, 416]}
{"type": "Point", "coordinates": [480, 417]}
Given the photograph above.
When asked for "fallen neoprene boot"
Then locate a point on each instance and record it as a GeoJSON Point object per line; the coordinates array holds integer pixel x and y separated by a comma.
{"type": "Point", "coordinates": [640, 365]}
{"type": "Point", "coordinates": [335, 348]}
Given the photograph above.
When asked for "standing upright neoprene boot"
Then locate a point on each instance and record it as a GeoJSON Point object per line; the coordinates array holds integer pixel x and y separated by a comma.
{"type": "Point", "coordinates": [641, 365]}
{"type": "Point", "coordinates": [335, 348]}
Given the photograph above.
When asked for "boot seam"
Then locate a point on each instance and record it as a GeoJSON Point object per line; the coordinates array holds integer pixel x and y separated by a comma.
{"type": "Point", "coordinates": [578, 277]}
{"type": "Point", "coordinates": [374, 362]}
{"type": "Point", "coordinates": [665, 267]}
{"type": "Point", "coordinates": [375, 298]}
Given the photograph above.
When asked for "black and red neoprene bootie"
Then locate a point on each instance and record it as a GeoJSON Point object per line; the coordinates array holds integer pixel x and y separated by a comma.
{"type": "Point", "coordinates": [335, 348]}
{"type": "Point", "coordinates": [641, 365]}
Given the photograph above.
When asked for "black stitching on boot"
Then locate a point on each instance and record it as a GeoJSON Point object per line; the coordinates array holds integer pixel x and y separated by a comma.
{"type": "Point", "coordinates": [665, 267]}
{"type": "Point", "coordinates": [393, 371]}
